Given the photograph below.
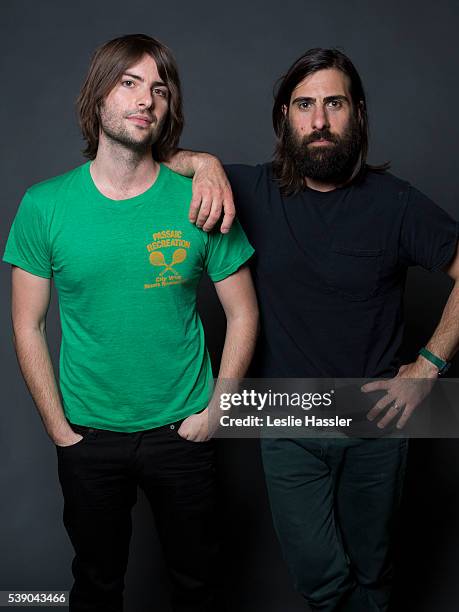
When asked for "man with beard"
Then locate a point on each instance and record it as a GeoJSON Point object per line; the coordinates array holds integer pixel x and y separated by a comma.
{"type": "Point", "coordinates": [334, 238]}
{"type": "Point", "coordinates": [135, 374]}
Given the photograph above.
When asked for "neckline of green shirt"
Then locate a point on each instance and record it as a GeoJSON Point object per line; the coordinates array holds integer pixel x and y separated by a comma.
{"type": "Point", "coordinates": [126, 203]}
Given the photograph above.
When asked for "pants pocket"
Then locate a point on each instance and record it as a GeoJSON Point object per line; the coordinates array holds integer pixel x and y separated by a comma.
{"type": "Point", "coordinates": [86, 432]}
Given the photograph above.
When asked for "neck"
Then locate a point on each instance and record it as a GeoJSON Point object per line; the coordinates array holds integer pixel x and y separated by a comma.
{"type": "Point", "coordinates": [120, 172]}
{"type": "Point", "coordinates": [319, 185]}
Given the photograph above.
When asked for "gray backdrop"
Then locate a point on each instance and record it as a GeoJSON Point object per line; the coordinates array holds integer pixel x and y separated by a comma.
{"type": "Point", "coordinates": [229, 56]}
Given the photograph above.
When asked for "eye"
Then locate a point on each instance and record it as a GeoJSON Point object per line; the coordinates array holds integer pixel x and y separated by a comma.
{"type": "Point", "coordinates": [335, 104]}
{"type": "Point", "coordinates": [304, 105]}
{"type": "Point", "coordinates": [127, 83]}
{"type": "Point", "coordinates": [160, 92]}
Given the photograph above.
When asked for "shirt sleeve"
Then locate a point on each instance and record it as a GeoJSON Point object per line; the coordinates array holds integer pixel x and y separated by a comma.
{"type": "Point", "coordinates": [428, 235]}
{"type": "Point", "coordinates": [27, 246]}
{"type": "Point", "coordinates": [226, 253]}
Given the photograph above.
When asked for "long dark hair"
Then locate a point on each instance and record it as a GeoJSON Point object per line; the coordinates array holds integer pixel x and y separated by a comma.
{"type": "Point", "coordinates": [312, 61]}
{"type": "Point", "coordinates": [108, 64]}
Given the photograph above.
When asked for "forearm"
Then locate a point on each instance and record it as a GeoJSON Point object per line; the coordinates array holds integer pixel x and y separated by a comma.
{"type": "Point", "coordinates": [240, 339]}
{"type": "Point", "coordinates": [445, 340]}
{"type": "Point", "coordinates": [36, 366]}
{"type": "Point", "coordinates": [187, 163]}
{"type": "Point", "coordinates": [239, 345]}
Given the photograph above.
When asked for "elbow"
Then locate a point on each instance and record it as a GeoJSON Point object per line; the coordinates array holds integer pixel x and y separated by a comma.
{"type": "Point", "coordinates": [248, 319]}
{"type": "Point", "coordinates": [23, 330]}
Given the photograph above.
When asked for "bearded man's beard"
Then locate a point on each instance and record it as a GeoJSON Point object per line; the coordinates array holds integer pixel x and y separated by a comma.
{"type": "Point", "coordinates": [332, 163]}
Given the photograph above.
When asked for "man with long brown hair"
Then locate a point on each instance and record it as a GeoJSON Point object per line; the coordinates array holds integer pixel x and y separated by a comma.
{"type": "Point", "coordinates": [135, 374]}
{"type": "Point", "coordinates": [334, 237]}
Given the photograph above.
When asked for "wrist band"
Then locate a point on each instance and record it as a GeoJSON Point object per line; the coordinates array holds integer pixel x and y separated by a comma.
{"type": "Point", "coordinates": [441, 364]}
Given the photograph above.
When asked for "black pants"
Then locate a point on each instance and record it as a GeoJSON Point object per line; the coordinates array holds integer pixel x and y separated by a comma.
{"type": "Point", "coordinates": [333, 503]}
{"type": "Point", "coordinates": [99, 477]}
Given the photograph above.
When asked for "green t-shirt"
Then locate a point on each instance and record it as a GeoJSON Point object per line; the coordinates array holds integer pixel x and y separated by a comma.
{"type": "Point", "coordinates": [133, 352]}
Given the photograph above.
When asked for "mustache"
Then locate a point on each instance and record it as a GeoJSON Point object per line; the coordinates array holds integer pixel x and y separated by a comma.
{"type": "Point", "coordinates": [324, 134]}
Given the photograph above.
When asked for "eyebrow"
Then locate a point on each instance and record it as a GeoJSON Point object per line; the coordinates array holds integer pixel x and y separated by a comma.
{"type": "Point", "coordinates": [327, 99]}
{"type": "Point", "coordinates": [139, 78]}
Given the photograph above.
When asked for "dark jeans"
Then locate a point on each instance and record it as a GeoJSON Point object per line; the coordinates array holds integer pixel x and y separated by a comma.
{"type": "Point", "coordinates": [99, 477]}
{"type": "Point", "coordinates": [333, 503]}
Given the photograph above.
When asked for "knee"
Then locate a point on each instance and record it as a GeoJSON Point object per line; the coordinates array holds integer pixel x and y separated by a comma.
{"type": "Point", "coordinates": [323, 586]}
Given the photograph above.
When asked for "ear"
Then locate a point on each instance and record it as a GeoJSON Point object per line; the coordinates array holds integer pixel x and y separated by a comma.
{"type": "Point", "coordinates": [284, 109]}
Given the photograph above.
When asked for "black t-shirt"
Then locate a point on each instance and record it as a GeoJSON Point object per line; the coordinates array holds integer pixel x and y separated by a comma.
{"type": "Point", "coordinates": [330, 269]}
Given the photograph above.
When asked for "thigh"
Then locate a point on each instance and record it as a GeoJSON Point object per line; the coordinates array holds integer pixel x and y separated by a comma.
{"type": "Point", "coordinates": [98, 490]}
{"type": "Point", "coordinates": [300, 487]}
{"type": "Point", "coordinates": [179, 480]}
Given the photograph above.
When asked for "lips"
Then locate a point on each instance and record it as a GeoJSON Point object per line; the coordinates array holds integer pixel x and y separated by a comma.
{"type": "Point", "coordinates": [322, 141]}
{"type": "Point", "coordinates": [321, 137]}
{"type": "Point", "coordinates": [141, 119]}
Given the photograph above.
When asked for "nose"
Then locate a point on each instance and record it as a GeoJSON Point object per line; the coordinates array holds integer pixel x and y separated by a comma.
{"type": "Point", "coordinates": [319, 118]}
{"type": "Point", "coordinates": [145, 99]}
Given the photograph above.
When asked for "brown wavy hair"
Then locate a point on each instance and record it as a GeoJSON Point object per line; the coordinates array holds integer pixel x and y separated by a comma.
{"type": "Point", "coordinates": [108, 64]}
{"type": "Point", "coordinates": [312, 61]}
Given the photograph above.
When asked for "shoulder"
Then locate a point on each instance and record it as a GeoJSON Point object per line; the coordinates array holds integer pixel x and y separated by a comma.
{"type": "Point", "coordinates": [388, 184]}
{"type": "Point", "coordinates": [383, 180]}
{"type": "Point", "coordinates": [48, 191]}
{"type": "Point", "coordinates": [244, 175]}
{"type": "Point", "coordinates": [384, 190]}
{"type": "Point", "coordinates": [176, 181]}
{"type": "Point", "coordinates": [250, 184]}
{"type": "Point", "coordinates": [54, 183]}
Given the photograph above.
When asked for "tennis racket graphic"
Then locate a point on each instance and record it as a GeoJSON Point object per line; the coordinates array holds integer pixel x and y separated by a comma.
{"type": "Point", "coordinates": [157, 259]}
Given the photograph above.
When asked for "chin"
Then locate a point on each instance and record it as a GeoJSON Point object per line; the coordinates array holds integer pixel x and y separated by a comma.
{"type": "Point", "coordinates": [320, 147]}
{"type": "Point", "coordinates": [320, 154]}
